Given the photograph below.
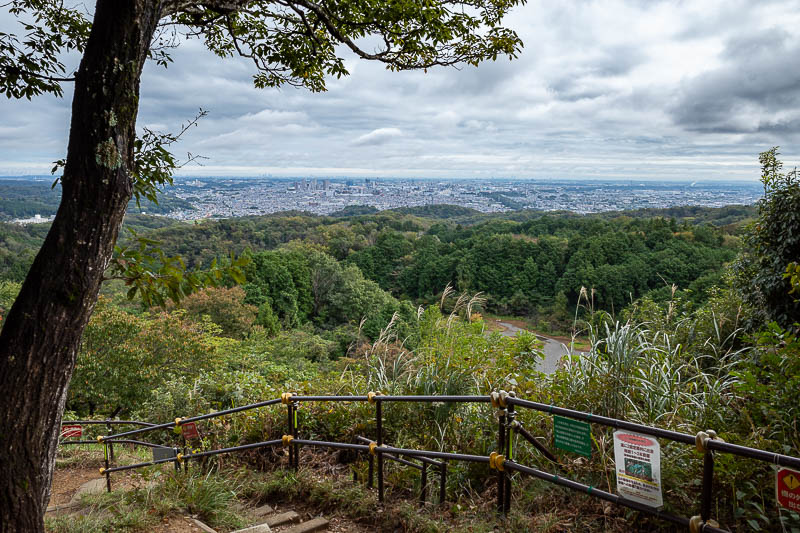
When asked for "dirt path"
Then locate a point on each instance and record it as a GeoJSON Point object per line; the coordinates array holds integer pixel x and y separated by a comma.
{"type": "Point", "coordinates": [67, 480]}
{"type": "Point", "coordinates": [553, 349]}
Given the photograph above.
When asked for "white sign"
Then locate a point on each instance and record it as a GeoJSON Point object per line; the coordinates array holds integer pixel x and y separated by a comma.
{"type": "Point", "coordinates": [638, 459]}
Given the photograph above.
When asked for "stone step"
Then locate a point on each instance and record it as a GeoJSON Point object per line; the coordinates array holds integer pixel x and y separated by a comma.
{"type": "Point", "coordinates": [264, 510]}
{"type": "Point", "coordinates": [205, 528]}
{"type": "Point", "coordinates": [63, 508]}
{"type": "Point", "coordinates": [90, 487]}
{"type": "Point", "coordinates": [317, 524]}
{"type": "Point", "coordinates": [260, 528]}
{"type": "Point", "coordinates": [283, 518]}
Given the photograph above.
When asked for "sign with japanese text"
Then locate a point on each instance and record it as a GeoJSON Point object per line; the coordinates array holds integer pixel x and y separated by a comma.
{"type": "Point", "coordinates": [638, 464]}
{"type": "Point", "coordinates": [71, 431]}
{"type": "Point", "coordinates": [189, 431]}
{"type": "Point", "coordinates": [572, 435]}
{"type": "Point", "coordinates": [787, 488]}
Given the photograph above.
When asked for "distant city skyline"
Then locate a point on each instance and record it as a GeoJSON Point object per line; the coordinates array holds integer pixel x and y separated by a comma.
{"type": "Point", "coordinates": [615, 89]}
{"type": "Point", "coordinates": [226, 197]}
{"type": "Point", "coordinates": [235, 197]}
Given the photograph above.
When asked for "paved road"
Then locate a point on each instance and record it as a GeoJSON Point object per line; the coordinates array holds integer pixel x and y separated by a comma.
{"type": "Point", "coordinates": [553, 350]}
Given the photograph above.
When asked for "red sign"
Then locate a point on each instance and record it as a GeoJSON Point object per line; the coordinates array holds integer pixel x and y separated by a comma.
{"type": "Point", "coordinates": [189, 431]}
{"type": "Point", "coordinates": [638, 440]}
{"type": "Point", "coordinates": [787, 486]}
{"type": "Point", "coordinates": [71, 431]}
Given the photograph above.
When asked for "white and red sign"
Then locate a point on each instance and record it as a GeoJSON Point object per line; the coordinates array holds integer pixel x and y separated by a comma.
{"type": "Point", "coordinates": [638, 465]}
{"type": "Point", "coordinates": [189, 431]}
{"type": "Point", "coordinates": [72, 430]}
{"type": "Point", "coordinates": [787, 488]}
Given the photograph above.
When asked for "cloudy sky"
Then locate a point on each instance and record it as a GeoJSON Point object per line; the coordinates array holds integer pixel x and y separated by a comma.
{"type": "Point", "coordinates": [603, 89]}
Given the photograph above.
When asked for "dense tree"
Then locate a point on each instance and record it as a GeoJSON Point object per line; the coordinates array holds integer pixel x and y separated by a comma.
{"type": "Point", "coordinates": [225, 307]}
{"type": "Point", "coordinates": [382, 261]}
{"type": "Point", "coordinates": [291, 42]}
{"type": "Point", "coordinates": [772, 246]}
{"type": "Point", "coordinates": [123, 357]}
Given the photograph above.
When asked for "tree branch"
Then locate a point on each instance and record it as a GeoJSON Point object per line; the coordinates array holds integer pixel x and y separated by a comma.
{"type": "Point", "coordinates": [19, 71]}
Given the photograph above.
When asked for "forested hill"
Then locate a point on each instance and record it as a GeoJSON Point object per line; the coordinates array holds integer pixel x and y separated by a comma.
{"type": "Point", "coordinates": [526, 262]}
{"type": "Point", "coordinates": [24, 198]}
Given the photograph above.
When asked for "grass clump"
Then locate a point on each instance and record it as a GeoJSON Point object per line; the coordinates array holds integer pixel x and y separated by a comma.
{"type": "Point", "coordinates": [105, 512]}
{"type": "Point", "coordinates": [211, 497]}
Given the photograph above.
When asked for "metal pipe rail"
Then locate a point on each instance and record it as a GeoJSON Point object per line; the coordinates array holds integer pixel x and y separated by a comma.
{"type": "Point", "coordinates": [135, 432]}
{"type": "Point", "coordinates": [298, 398]}
{"type": "Point", "coordinates": [117, 441]}
{"type": "Point", "coordinates": [393, 457]}
{"type": "Point", "coordinates": [502, 460]}
{"type": "Point", "coordinates": [421, 459]}
{"type": "Point", "coordinates": [602, 420]}
{"type": "Point", "coordinates": [382, 398]}
{"type": "Point", "coordinates": [107, 422]}
{"type": "Point", "coordinates": [180, 457]}
{"type": "Point", "coordinates": [228, 411]}
{"type": "Point", "coordinates": [743, 451]}
{"type": "Point", "coordinates": [181, 421]}
{"type": "Point", "coordinates": [536, 444]}
{"type": "Point", "coordinates": [607, 496]}
{"type": "Point", "coordinates": [107, 471]}
{"type": "Point", "coordinates": [230, 450]}
{"type": "Point", "coordinates": [437, 455]}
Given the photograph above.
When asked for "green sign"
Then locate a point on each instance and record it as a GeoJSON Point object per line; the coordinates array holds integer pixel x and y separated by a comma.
{"type": "Point", "coordinates": [572, 435]}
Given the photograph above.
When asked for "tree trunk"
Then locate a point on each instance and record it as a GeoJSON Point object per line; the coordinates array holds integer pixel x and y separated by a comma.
{"type": "Point", "coordinates": [42, 332]}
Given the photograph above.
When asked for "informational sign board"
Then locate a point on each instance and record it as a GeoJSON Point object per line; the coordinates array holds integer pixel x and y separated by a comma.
{"type": "Point", "coordinates": [787, 488]}
{"type": "Point", "coordinates": [572, 435]}
{"type": "Point", "coordinates": [189, 431]}
{"type": "Point", "coordinates": [163, 453]}
{"type": "Point", "coordinates": [72, 430]}
{"type": "Point", "coordinates": [638, 462]}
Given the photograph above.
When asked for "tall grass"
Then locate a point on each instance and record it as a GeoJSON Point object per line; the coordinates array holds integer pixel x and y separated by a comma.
{"type": "Point", "coordinates": [644, 374]}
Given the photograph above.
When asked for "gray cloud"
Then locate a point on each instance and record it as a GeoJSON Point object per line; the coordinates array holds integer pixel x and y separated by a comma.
{"type": "Point", "coordinates": [756, 89]}
{"type": "Point", "coordinates": [634, 89]}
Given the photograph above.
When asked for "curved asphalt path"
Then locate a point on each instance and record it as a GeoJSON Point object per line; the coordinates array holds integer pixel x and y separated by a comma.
{"type": "Point", "coordinates": [553, 350]}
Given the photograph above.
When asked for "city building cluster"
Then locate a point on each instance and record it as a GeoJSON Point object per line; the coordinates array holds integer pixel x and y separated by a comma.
{"type": "Point", "coordinates": [235, 197]}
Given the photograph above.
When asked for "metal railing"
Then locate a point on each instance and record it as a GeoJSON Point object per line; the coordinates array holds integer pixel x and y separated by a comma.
{"type": "Point", "coordinates": [502, 460]}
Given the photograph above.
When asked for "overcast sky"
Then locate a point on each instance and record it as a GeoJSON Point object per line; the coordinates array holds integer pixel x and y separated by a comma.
{"type": "Point", "coordinates": [603, 89]}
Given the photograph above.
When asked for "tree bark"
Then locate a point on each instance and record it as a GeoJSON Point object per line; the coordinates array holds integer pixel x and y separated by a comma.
{"type": "Point", "coordinates": [42, 332]}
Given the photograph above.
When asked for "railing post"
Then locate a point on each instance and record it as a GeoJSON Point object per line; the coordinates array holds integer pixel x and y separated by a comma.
{"type": "Point", "coordinates": [379, 427]}
{"type": "Point", "coordinates": [509, 452]}
{"type": "Point", "coordinates": [289, 431]}
{"type": "Point", "coordinates": [108, 474]}
{"type": "Point", "coordinates": [423, 482]}
{"type": "Point", "coordinates": [295, 407]}
{"type": "Point", "coordinates": [708, 481]}
{"type": "Point", "coordinates": [111, 445]}
{"type": "Point", "coordinates": [443, 483]}
{"type": "Point", "coordinates": [501, 444]}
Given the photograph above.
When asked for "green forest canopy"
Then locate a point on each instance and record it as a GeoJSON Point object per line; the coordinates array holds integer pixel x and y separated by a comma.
{"type": "Point", "coordinates": [525, 262]}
